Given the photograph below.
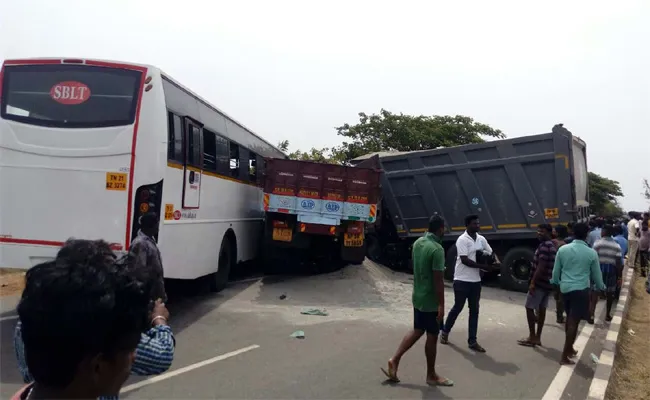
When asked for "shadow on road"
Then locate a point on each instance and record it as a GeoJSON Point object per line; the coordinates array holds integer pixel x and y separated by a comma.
{"type": "Point", "coordinates": [485, 362]}
{"type": "Point", "coordinates": [189, 301]}
{"type": "Point", "coordinates": [428, 392]}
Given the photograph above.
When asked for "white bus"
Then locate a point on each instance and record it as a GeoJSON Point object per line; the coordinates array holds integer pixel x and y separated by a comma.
{"type": "Point", "coordinates": [88, 146]}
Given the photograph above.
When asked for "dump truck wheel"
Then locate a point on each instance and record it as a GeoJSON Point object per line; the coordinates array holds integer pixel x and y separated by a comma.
{"type": "Point", "coordinates": [450, 262]}
{"type": "Point", "coordinates": [516, 267]}
{"type": "Point", "coordinates": [373, 251]}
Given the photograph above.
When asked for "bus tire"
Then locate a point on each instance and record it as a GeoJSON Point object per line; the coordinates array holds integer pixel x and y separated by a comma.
{"type": "Point", "coordinates": [226, 257]}
{"type": "Point", "coordinates": [515, 269]}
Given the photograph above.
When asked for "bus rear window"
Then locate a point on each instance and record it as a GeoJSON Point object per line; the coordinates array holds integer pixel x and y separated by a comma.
{"type": "Point", "coordinates": [70, 96]}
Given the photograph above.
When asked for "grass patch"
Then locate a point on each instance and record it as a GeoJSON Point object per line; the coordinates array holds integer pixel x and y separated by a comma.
{"type": "Point", "coordinates": [12, 281]}
{"type": "Point", "coordinates": [630, 378]}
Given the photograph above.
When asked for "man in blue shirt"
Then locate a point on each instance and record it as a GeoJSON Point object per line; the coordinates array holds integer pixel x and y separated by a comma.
{"type": "Point", "coordinates": [619, 237]}
{"type": "Point", "coordinates": [595, 233]}
{"type": "Point", "coordinates": [576, 264]}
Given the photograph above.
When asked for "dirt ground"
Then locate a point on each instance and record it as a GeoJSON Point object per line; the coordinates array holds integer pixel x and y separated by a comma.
{"type": "Point", "coordinates": [630, 378]}
{"type": "Point", "coordinates": [12, 281]}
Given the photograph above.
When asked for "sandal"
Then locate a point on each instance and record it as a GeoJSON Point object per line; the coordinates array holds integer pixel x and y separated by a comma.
{"type": "Point", "coordinates": [444, 338]}
{"type": "Point", "coordinates": [390, 373]}
{"type": "Point", "coordinates": [441, 382]}
{"type": "Point", "coordinates": [526, 342]}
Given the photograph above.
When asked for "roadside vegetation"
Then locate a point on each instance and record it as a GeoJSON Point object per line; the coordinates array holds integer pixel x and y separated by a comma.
{"type": "Point", "coordinates": [630, 378]}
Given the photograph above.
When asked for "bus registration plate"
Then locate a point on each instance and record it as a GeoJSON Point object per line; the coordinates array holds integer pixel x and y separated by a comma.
{"type": "Point", "coordinates": [116, 181]}
{"type": "Point", "coordinates": [282, 234]}
{"type": "Point", "coordinates": [353, 240]}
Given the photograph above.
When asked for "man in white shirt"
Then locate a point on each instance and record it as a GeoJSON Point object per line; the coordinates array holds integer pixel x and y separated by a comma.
{"type": "Point", "coordinates": [632, 239]}
{"type": "Point", "coordinates": [467, 280]}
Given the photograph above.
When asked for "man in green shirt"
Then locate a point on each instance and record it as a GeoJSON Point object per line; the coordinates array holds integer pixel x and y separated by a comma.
{"type": "Point", "coordinates": [576, 266]}
{"type": "Point", "coordinates": [428, 301]}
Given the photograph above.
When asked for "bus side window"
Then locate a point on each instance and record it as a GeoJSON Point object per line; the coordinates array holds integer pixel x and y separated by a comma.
{"type": "Point", "coordinates": [222, 155]}
{"type": "Point", "coordinates": [194, 146]}
{"type": "Point", "coordinates": [252, 167]}
{"type": "Point", "coordinates": [259, 168]}
{"type": "Point", "coordinates": [174, 137]}
{"type": "Point", "coordinates": [209, 151]}
{"type": "Point", "coordinates": [234, 160]}
{"type": "Point", "coordinates": [243, 163]}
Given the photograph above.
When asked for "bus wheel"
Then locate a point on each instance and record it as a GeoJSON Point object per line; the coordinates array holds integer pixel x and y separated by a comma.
{"type": "Point", "coordinates": [220, 279]}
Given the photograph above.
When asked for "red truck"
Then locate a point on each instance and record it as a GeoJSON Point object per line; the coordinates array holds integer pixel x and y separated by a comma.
{"type": "Point", "coordinates": [316, 212]}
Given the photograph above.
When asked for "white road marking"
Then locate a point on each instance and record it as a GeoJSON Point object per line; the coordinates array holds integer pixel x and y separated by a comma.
{"type": "Point", "coordinates": [606, 358]}
{"type": "Point", "coordinates": [189, 368]}
{"type": "Point", "coordinates": [561, 380]}
{"type": "Point", "coordinates": [598, 388]}
{"type": "Point", "coordinates": [8, 318]}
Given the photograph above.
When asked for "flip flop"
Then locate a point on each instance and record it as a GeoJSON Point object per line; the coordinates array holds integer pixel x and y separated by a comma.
{"type": "Point", "coordinates": [526, 343]}
{"type": "Point", "coordinates": [445, 382]}
{"type": "Point", "coordinates": [390, 374]}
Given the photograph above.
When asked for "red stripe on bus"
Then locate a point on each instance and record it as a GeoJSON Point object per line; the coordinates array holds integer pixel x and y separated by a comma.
{"type": "Point", "coordinates": [127, 238]}
{"type": "Point", "coordinates": [51, 243]}
{"type": "Point", "coordinates": [32, 62]}
{"type": "Point", "coordinates": [143, 70]}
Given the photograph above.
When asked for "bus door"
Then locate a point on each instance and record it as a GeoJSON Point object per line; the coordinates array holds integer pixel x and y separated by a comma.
{"type": "Point", "coordinates": [193, 164]}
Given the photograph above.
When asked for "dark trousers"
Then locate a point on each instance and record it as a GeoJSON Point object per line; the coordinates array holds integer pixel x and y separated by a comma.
{"type": "Point", "coordinates": [559, 303]}
{"type": "Point", "coordinates": [469, 292]}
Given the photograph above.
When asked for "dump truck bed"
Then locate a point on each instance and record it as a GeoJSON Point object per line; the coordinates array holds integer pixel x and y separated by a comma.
{"type": "Point", "coordinates": [321, 193]}
{"type": "Point", "coordinates": [512, 185]}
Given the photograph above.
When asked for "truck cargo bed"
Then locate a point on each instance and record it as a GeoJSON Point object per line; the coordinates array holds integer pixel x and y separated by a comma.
{"type": "Point", "coordinates": [512, 185]}
{"type": "Point", "coordinates": [321, 193]}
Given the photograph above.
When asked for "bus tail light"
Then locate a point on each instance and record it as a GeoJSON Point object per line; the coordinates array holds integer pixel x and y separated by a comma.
{"type": "Point", "coordinates": [148, 198]}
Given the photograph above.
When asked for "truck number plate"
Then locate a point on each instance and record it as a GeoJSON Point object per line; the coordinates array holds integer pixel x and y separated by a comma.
{"type": "Point", "coordinates": [353, 240]}
{"type": "Point", "coordinates": [282, 234]}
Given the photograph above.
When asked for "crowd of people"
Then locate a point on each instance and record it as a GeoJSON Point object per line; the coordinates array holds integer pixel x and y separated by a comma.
{"type": "Point", "coordinates": [577, 264]}
{"type": "Point", "coordinates": [88, 319]}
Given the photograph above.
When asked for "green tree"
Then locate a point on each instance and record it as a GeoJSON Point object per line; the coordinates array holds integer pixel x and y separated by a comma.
{"type": "Point", "coordinates": [284, 146]}
{"type": "Point", "coordinates": [646, 189]}
{"type": "Point", "coordinates": [399, 132]}
{"type": "Point", "coordinates": [318, 155]}
{"type": "Point", "coordinates": [603, 193]}
{"type": "Point", "coordinates": [323, 155]}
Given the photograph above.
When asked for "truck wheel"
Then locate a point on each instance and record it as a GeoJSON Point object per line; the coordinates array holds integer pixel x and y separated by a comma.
{"type": "Point", "coordinates": [516, 267]}
{"type": "Point", "coordinates": [226, 256]}
{"type": "Point", "coordinates": [450, 262]}
{"type": "Point", "coordinates": [373, 250]}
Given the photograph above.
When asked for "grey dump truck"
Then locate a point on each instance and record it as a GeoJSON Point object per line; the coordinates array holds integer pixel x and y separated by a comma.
{"type": "Point", "coordinates": [513, 185]}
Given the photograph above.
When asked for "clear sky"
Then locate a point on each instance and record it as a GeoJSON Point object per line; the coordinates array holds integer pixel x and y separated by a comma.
{"type": "Point", "coordinates": [296, 69]}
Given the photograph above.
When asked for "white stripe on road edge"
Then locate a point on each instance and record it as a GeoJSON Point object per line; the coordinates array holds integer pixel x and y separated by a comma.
{"type": "Point", "coordinates": [183, 370]}
{"type": "Point", "coordinates": [8, 318]}
{"type": "Point", "coordinates": [563, 376]}
{"type": "Point", "coordinates": [605, 366]}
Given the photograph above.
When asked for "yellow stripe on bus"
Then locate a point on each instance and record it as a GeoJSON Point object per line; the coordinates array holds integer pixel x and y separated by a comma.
{"type": "Point", "coordinates": [210, 173]}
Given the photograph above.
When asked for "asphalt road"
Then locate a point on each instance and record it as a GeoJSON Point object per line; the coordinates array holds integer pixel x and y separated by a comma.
{"type": "Point", "coordinates": [237, 344]}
